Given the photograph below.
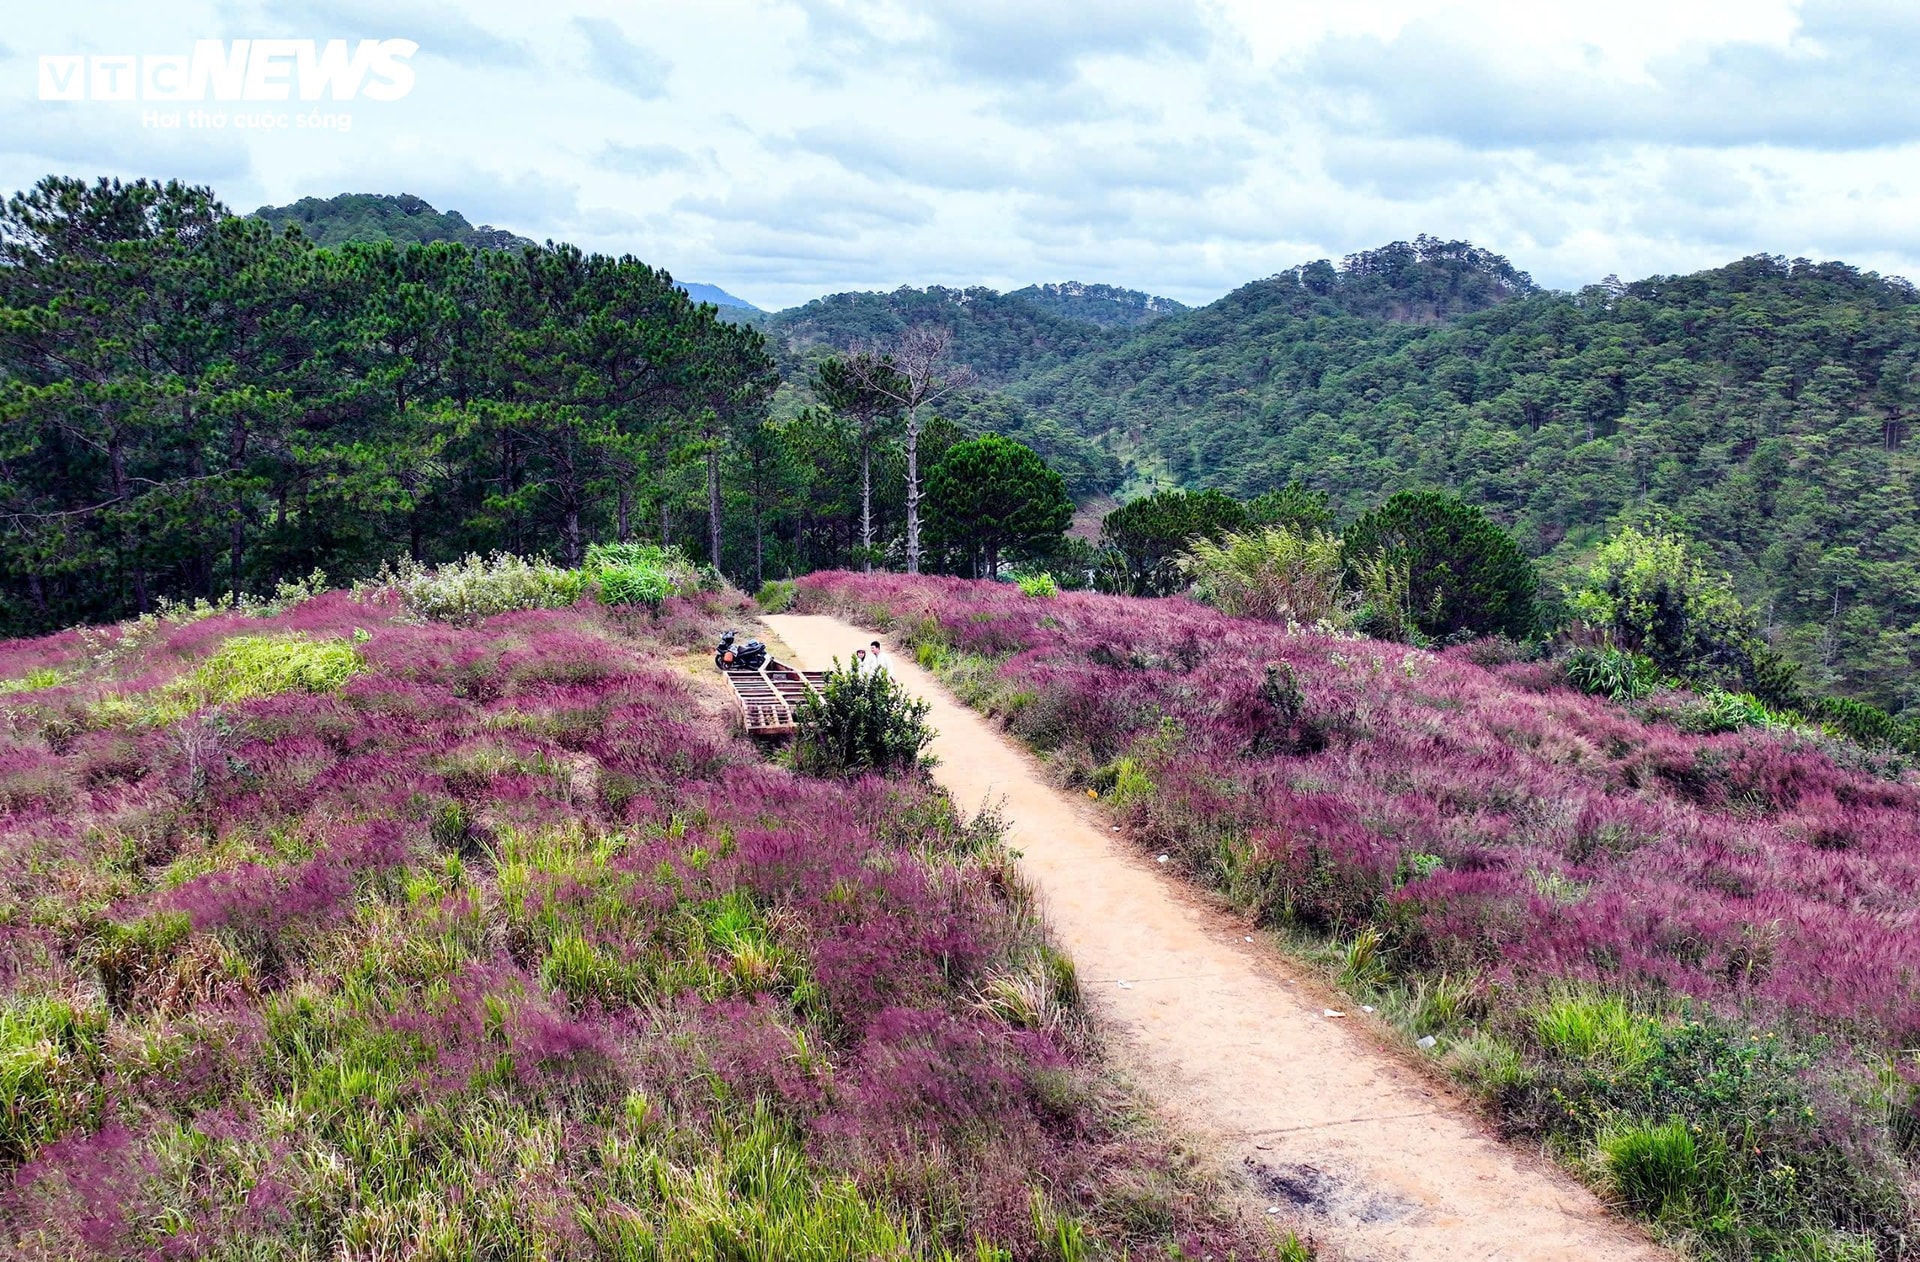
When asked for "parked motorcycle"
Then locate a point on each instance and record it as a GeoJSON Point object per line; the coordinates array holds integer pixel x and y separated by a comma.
{"type": "Point", "coordinates": [749, 656]}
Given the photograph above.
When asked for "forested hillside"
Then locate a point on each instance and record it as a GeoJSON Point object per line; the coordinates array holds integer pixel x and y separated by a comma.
{"type": "Point", "coordinates": [1105, 305]}
{"type": "Point", "coordinates": [1767, 405]}
{"type": "Point", "coordinates": [193, 405]}
{"type": "Point", "coordinates": [1003, 337]}
{"type": "Point", "coordinates": [371, 217]}
{"type": "Point", "coordinates": [1764, 408]}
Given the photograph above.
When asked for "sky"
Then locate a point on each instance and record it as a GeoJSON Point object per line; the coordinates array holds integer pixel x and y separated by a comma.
{"type": "Point", "coordinates": [790, 148]}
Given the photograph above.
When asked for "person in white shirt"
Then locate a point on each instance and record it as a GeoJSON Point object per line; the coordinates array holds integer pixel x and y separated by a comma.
{"type": "Point", "coordinates": [877, 659]}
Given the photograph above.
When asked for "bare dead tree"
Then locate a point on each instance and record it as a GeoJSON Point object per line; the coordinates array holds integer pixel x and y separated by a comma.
{"type": "Point", "coordinates": [915, 373]}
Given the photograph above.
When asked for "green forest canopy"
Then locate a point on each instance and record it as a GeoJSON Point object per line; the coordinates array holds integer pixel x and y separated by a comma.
{"type": "Point", "coordinates": [372, 217]}
{"type": "Point", "coordinates": [195, 405]}
{"type": "Point", "coordinates": [1765, 407]}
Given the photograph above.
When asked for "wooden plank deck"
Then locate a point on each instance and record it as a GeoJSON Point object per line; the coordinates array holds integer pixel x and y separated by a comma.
{"type": "Point", "coordinates": [769, 699]}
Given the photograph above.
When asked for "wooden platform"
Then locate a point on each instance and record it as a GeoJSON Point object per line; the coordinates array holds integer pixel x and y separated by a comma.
{"type": "Point", "coordinates": [769, 698]}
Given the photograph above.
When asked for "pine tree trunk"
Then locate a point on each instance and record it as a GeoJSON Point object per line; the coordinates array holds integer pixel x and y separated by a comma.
{"type": "Point", "coordinates": [866, 499]}
{"type": "Point", "coordinates": [913, 490]}
{"type": "Point", "coordinates": [124, 492]}
{"type": "Point", "coordinates": [713, 508]}
{"type": "Point", "coordinates": [237, 525]}
{"type": "Point", "coordinates": [236, 545]}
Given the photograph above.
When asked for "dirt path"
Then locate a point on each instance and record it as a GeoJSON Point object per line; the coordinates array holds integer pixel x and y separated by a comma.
{"type": "Point", "coordinates": [1328, 1125]}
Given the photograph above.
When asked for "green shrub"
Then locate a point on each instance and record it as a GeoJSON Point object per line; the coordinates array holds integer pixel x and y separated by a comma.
{"type": "Point", "coordinates": [1385, 612]}
{"type": "Point", "coordinates": [1867, 725]}
{"type": "Point", "coordinates": [1651, 591]}
{"type": "Point", "coordinates": [242, 668]}
{"type": "Point", "coordinates": [777, 595]}
{"type": "Point", "coordinates": [1717, 710]}
{"type": "Point", "coordinates": [479, 587]}
{"type": "Point", "coordinates": [1142, 539]}
{"type": "Point", "coordinates": [859, 723]}
{"type": "Point", "coordinates": [631, 585]}
{"type": "Point", "coordinates": [643, 573]}
{"type": "Point", "coordinates": [1764, 1169]}
{"type": "Point", "coordinates": [1039, 585]}
{"type": "Point", "coordinates": [1122, 781]}
{"type": "Point", "coordinates": [1463, 572]}
{"type": "Point", "coordinates": [1363, 964]}
{"type": "Point", "coordinates": [1606, 671]}
{"type": "Point", "coordinates": [1273, 573]}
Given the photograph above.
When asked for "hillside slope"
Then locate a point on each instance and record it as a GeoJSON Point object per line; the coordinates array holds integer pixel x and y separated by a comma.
{"type": "Point", "coordinates": [329, 931]}
{"type": "Point", "coordinates": [1767, 405]}
{"type": "Point", "coordinates": [1000, 336]}
{"type": "Point", "coordinates": [1384, 1166]}
{"type": "Point", "coordinates": [1632, 933]}
{"type": "Point", "coordinates": [1105, 305]}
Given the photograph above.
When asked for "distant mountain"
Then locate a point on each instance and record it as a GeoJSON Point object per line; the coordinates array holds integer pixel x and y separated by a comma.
{"type": "Point", "coordinates": [1001, 337]}
{"type": "Point", "coordinates": [408, 220]}
{"type": "Point", "coordinates": [1108, 306]}
{"type": "Point", "coordinates": [1768, 406]}
{"type": "Point", "coordinates": [714, 294]}
{"type": "Point", "coordinates": [403, 219]}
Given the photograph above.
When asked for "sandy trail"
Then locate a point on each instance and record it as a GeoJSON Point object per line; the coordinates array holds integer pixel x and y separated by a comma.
{"type": "Point", "coordinates": [1376, 1159]}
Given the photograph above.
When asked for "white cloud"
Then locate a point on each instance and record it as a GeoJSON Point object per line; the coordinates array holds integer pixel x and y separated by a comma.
{"type": "Point", "coordinates": [645, 159]}
{"type": "Point", "coordinates": [634, 69]}
{"type": "Point", "coordinates": [787, 149]}
{"type": "Point", "coordinates": [440, 30]}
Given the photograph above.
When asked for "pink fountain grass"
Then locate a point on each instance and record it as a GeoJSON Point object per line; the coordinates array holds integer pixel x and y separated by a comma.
{"type": "Point", "coordinates": [1501, 821]}
{"type": "Point", "coordinates": [448, 948]}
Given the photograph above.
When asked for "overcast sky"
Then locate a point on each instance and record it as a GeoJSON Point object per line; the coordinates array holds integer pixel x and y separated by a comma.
{"type": "Point", "coordinates": [785, 150]}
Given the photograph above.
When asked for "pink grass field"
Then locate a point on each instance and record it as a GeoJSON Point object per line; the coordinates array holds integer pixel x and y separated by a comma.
{"type": "Point", "coordinates": [480, 953]}
{"type": "Point", "coordinates": [1492, 818]}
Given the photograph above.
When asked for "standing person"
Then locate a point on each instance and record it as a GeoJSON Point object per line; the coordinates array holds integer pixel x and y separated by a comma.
{"type": "Point", "coordinates": [877, 659]}
{"type": "Point", "coordinates": [860, 666]}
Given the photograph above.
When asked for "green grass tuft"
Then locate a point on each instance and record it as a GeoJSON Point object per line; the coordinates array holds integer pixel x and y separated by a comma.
{"type": "Point", "coordinates": [1657, 1170]}
{"type": "Point", "coordinates": [49, 1075]}
{"type": "Point", "coordinates": [1599, 1029]}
